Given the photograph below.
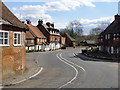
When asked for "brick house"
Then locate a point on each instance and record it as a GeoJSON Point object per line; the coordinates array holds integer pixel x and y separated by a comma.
{"type": "Point", "coordinates": [69, 41]}
{"type": "Point", "coordinates": [52, 34]}
{"type": "Point", "coordinates": [35, 39]}
{"type": "Point", "coordinates": [12, 43]}
{"type": "Point", "coordinates": [30, 41]}
{"type": "Point", "coordinates": [109, 39]}
{"type": "Point", "coordinates": [62, 41]}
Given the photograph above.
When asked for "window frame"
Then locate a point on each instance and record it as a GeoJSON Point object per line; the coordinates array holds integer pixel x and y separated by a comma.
{"type": "Point", "coordinates": [17, 39]}
{"type": "Point", "coordinates": [5, 38]}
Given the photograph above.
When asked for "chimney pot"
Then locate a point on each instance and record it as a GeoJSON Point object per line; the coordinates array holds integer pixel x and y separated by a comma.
{"type": "Point", "coordinates": [52, 25]}
{"type": "Point", "coordinates": [48, 24]}
{"type": "Point", "coordinates": [28, 21]}
{"type": "Point", "coordinates": [117, 17]}
{"type": "Point", "coordinates": [40, 22]}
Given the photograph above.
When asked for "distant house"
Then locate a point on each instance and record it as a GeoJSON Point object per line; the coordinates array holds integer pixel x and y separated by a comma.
{"type": "Point", "coordinates": [35, 39]}
{"type": "Point", "coordinates": [69, 40]}
{"type": "Point", "coordinates": [30, 41]}
{"type": "Point", "coordinates": [12, 42]}
{"type": "Point", "coordinates": [109, 39]}
{"type": "Point", "coordinates": [89, 43]}
{"type": "Point", "coordinates": [62, 41]}
{"type": "Point", "coordinates": [52, 34]}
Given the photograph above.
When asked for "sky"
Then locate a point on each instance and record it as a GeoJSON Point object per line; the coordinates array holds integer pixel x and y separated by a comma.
{"type": "Point", "coordinates": [90, 13]}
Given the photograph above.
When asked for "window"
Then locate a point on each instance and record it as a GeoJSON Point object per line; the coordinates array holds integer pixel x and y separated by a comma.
{"type": "Point", "coordinates": [106, 36]}
{"type": "Point", "coordinates": [4, 39]}
{"type": "Point", "coordinates": [32, 41]}
{"type": "Point", "coordinates": [17, 38]}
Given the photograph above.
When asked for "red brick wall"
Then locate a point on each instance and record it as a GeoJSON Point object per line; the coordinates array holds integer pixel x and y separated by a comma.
{"type": "Point", "coordinates": [54, 38]}
{"type": "Point", "coordinates": [13, 58]}
{"type": "Point", "coordinates": [44, 31]}
{"type": "Point", "coordinates": [63, 40]}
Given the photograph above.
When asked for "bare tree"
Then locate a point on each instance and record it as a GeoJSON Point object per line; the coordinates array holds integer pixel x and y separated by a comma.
{"type": "Point", "coordinates": [75, 27]}
{"type": "Point", "coordinates": [101, 27]}
{"type": "Point", "coordinates": [96, 31]}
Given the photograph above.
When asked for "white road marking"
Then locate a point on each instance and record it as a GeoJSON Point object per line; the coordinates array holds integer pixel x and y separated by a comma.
{"type": "Point", "coordinates": [73, 77]}
{"type": "Point", "coordinates": [1, 87]}
{"type": "Point", "coordinates": [29, 77]}
{"type": "Point", "coordinates": [73, 63]}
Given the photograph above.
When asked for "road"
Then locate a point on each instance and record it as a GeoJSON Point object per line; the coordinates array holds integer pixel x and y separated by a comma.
{"type": "Point", "coordinates": [63, 69]}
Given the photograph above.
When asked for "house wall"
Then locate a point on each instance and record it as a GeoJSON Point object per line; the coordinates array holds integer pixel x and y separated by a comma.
{"type": "Point", "coordinates": [69, 42]}
{"type": "Point", "coordinates": [54, 38]}
{"type": "Point", "coordinates": [62, 41]}
{"type": "Point", "coordinates": [54, 42]}
{"type": "Point", "coordinates": [110, 45]}
{"type": "Point", "coordinates": [38, 47]}
{"type": "Point", "coordinates": [0, 65]}
{"type": "Point", "coordinates": [13, 57]}
{"type": "Point", "coordinates": [30, 44]}
{"type": "Point", "coordinates": [44, 31]}
{"type": "Point", "coordinates": [46, 47]}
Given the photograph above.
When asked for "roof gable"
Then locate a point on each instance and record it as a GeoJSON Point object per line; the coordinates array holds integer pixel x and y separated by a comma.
{"type": "Point", "coordinates": [72, 39]}
{"type": "Point", "coordinates": [29, 35]}
{"type": "Point", "coordinates": [36, 31]}
{"type": "Point", "coordinates": [8, 16]}
{"type": "Point", "coordinates": [114, 27]}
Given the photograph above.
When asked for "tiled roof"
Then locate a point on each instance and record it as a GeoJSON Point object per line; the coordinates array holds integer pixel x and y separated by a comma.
{"type": "Point", "coordinates": [29, 35]}
{"type": "Point", "coordinates": [47, 26]}
{"type": "Point", "coordinates": [114, 27]}
{"type": "Point", "coordinates": [36, 31]}
{"type": "Point", "coordinates": [8, 16]}
{"type": "Point", "coordinates": [72, 39]}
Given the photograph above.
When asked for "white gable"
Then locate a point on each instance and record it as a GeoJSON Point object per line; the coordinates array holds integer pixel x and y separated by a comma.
{"type": "Point", "coordinates": [4, 22]}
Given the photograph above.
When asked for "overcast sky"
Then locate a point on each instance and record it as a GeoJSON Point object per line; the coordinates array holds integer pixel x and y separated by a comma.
{"type": "Point", "coordinates": [89, 12]}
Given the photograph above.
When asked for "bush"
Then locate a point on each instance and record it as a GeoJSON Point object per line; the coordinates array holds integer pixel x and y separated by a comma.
{"type": "Point", "coordinates": [63, 47]}
{"type": "Point", "coordinates": [84, 51]}
{"type": "Point", "coordinates": [28, 51]}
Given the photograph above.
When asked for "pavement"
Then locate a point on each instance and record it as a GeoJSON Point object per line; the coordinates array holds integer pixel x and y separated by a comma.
{"type": "Point", "coordinates": [32, 70]}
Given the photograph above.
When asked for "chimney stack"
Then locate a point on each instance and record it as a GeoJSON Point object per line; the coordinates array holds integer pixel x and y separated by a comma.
{"type": "Point", "coordinates": [117, 17]}
{"type": "Point", "coordinates": [40, 22]}
{"type": "Point", "coordinates": [48, 24]}
{"type": "Point", "coordinates": [52, 25]}
{"type": "Point", "coordinates": [28, 21]}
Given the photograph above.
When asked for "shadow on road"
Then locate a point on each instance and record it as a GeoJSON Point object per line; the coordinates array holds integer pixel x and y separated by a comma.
{"type": "Point", "coordinates": [86, 58]}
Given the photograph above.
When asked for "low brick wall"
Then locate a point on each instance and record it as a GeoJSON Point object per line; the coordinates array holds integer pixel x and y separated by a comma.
{"type": "Point", "coordinates": [13, 60]}
{"type": "Point", "coordinates": [98, 57]}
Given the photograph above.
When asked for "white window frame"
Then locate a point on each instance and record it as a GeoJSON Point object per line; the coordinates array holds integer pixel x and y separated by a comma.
{"type": "Point", "coordinates": [112, 50]}
{"type": "Point", "coordinates": [17, 39]}
{"type": "Point", "coordinates": [106, 36]}
{"type": "Point", "coordinates": [5, 38]}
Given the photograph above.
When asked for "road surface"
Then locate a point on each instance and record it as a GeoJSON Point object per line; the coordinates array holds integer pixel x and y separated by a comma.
{"type": "Point", "coordinates": [63, 69]}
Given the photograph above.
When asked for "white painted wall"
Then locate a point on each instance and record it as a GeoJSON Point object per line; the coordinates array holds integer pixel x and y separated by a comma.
{"type": "Point", "coordinates": [30, 48]}
{"type": "Point", "coordinates": [57, 46]}
{"type": "Point", "coordinates": [112, 50]}
{"type": "Point", "coordinates": [52, 46]}
{"type": "Point", "coordinates": [47, 47]}
{"type": "Point", "coordinates": [38, 47]}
